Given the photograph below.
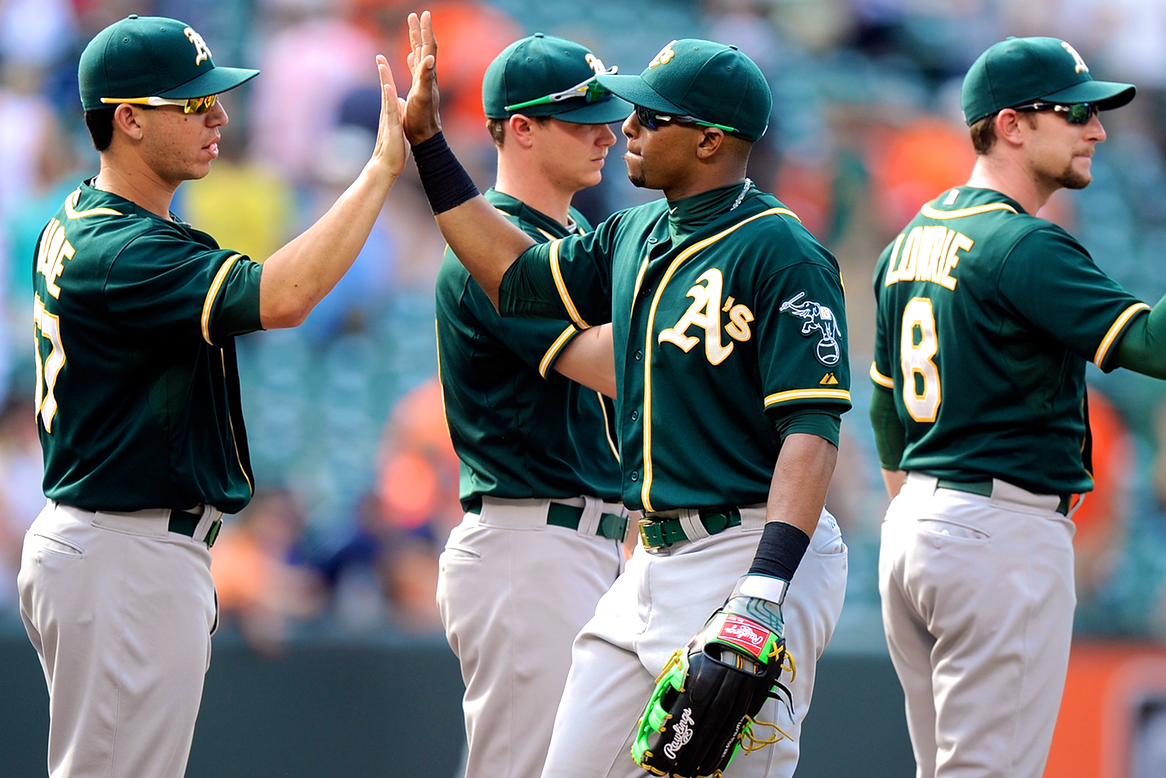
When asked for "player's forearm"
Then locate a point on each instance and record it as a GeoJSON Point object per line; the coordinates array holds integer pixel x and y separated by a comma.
{"type": "Point", "coordinates": [1142, 347]}
{"type": "Point", "coordinates": [300, 274]}
{"type": "Point", "coordinates": [801, 479]}
{"type": "Point", "coordinates": [484, 241]}
{"type": "Point", "coordinates": [894, 480]}
{"type": "Point", "coordinates": [589, 359]}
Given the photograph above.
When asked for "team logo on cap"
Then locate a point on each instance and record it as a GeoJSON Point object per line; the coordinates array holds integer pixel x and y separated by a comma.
{"type": "Point", "coordinates": [664, 57]}
{"type": "Point", "coordinates": [596, 64]}
{"type": "Point", "coordinates": [817, 318]}
{"type": "Point", "coordinates": [202, 51]}
{"type": "Point", "coordinates": [1081, 66]}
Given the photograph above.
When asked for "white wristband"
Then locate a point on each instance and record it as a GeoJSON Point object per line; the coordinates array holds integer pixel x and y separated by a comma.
{"type": "Point", "coordinates": [763, 587]}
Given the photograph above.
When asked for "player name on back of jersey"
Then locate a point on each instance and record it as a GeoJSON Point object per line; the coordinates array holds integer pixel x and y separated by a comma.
{"type": "Point", "coordinates": [927, 253]}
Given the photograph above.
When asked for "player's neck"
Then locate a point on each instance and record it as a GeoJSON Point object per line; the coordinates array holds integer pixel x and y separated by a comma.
{"type": "Point", "coordinates": [1007, 176]}
{"type": "Point", "coordinates": [135, 183]}
{"type": "Point", "coordinates": [525, 183]}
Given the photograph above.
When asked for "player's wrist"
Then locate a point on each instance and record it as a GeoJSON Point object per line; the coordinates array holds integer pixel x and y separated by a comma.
{"type": "Point", "coordinates": [780, 551]}
{"type": "Point", "coordinates": [762, 587]}
{"type": "Point", "coordinates": [446, 183]}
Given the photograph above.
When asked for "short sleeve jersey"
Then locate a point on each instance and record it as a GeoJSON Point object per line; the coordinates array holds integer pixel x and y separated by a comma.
{"type": "Point", "coordinates": [986, 318]}
{"type": "Point", "coordinates": [520, 429]}
{"type": "Point", "coordinates": [137, 393]}
{"type": "Point", "coordinates": [717, 336]}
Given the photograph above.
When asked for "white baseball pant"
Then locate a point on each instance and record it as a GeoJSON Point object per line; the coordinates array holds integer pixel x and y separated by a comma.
{"type": "Point", "coordinates": [121, 613]}
{"type": "Point", "coordinates": [513, 592]}
{"type": "Point", "coordinates": [978, 598]}
{"type": "Point", "coordinates": [655, 607]}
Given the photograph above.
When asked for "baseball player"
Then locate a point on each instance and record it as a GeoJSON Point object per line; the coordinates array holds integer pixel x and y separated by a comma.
{"type": "Point", "coordinates": [137, 397]}
{"type": "Point", "coordinates": [541, 539]}
{"type": "Point", "coordinates": [728, 328]}
{"type": "Point", "coordinates": [986, 318]}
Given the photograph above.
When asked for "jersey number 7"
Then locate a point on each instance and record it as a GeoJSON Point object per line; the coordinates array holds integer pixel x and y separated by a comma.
{"type": "Point", "coordinates": [48, 327]}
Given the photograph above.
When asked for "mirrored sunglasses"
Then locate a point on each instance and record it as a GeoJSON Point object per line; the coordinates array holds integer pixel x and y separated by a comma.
{"type": "Point", "coordinates": [653, 119]}
{"type": "Point", "coordinates": [192, 105]}
{"type": "Point", "coordinates": [1074, 113]}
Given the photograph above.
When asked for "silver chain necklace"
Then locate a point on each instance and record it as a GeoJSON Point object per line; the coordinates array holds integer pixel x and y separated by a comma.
{"type": "Point", "coordinates": [740, 197]}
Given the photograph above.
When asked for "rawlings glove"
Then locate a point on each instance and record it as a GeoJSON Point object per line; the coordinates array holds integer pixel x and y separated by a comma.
{"type": "Point", "coordinates": [702, 710]}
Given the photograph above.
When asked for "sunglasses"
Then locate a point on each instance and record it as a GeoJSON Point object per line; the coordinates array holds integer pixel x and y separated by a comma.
{"type": "Point", "coordinates": [590, 90]}
{"type": "Point", "coordinates": [653, 119]}
{"type": "Point", "coordinates": [1075, 113]}
{"type": "Point", "coordinates": [192, 105]}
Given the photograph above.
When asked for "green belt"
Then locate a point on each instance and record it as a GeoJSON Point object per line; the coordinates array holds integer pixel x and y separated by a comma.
{"type": "Point", "coordinates": [984, 489]}
{"type": "Point", "coordinates": [659, 533]}
{"type": "Point", "coordinates": [185, 523]}
{"type": "Point", "coordinates": [610, 526]}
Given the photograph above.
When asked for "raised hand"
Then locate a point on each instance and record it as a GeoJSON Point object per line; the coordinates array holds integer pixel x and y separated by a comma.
{"type": "Point", "coordinates": [389, 150]}
{"type": "Point", "coordinates": [421, 120]}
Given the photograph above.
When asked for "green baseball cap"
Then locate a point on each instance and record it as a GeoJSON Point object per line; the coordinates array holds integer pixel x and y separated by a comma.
{"type": "Point", "coordinates": [705, 80]}
{"type": "Point", "coordinates": [151, 56]}
{"type": "Point", "coordinates": [542, 75]}
{"type": "Point", "coordinates": [1020, 70]}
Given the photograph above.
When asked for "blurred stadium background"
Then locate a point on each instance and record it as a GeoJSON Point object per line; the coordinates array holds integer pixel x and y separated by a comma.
{"type": "Point", "coordinates": [358, 485]}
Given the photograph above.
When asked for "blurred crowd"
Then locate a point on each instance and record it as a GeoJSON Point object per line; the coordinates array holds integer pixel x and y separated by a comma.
{"type": "Point", "coordinates": [358, 481]}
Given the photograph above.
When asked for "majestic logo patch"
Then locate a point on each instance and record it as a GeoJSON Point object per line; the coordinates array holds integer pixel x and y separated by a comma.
{"type": "Point", "coordinates": [202, 52]}
{"type": "Point", "coordinates": [743, 634]}
{"type": "Point", "coordinates": [1081, 66]}
{"type": "Point", "coordinates": [818, 318]}
{"type": "Point", "coordinates": [664, 57]}
{"type": "Point", "coordinates": [681, 734]}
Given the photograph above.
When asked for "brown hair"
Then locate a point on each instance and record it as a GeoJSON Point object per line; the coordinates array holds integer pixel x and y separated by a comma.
{"type": "Point", "coordinates": [497, 127]}
{"type": "Point", "coordinates": [100, 124]}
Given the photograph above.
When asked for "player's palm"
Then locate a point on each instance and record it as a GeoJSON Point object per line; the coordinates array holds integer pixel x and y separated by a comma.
{"type": "Point", "coordinates": [389, 150]}
{"type": "Point", "coordinates": [421, 120]}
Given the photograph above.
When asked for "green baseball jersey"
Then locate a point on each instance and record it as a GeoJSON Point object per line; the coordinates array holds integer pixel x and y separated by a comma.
{"type": "Point", "coordinates": [519, 428]}
{"type": "Point", "coordinates": [137, 392]}
{"type": "Point", "coordinates": [727, 315]}
{"type": "Point", "coordinates": [986, 318]}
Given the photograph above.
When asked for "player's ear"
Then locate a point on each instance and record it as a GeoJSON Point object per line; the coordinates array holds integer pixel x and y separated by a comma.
{"type": "Point", "coordinates": [126, 119]}
{"type": "Point", "coordinates": [1010, 127]}
{"type": "Point", "coordinates": [521, 128]}
{"type": "Point", "coordinates": [712, 139]}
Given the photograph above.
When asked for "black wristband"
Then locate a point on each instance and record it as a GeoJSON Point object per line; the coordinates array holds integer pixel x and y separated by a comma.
{"type": "Point", "coordinates": [447, 184]}
{"type": "Point", "coordinates": [780, 551]}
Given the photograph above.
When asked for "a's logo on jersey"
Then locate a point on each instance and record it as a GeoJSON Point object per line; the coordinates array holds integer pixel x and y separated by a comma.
{"type": "Point", "coordinates": [705, 312]}
{"type": "Point", "coordinates": [817, 318]}
{"type": "Point", "coordinates": [201, 51]}
{"type": "Point", "coordinates": [1081, 66]}
{"type": "Point", "coordinates": [664, 57]}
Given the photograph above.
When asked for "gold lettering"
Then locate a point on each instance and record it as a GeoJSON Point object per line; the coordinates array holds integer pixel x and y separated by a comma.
{"type": "Point", "coordinates": [961, 243]}
{"type": "Point", "coordinates": [704, 312]}
{"type": "Point", "coordinates": [54, 250]}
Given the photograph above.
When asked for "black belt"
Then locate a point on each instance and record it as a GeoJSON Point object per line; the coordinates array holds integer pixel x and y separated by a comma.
{"type": "Point", "coordinates": [663, 532]}
{"type": "Point", "coordinates": [984, 489]}
{"type": "Point", "coordinates": [611, 526]}
{"type": "Point", "coordinates": [186, 522]}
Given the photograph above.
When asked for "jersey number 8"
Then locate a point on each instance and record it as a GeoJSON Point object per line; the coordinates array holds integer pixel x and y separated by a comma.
{"type": "Point", "coordinates": [917, 349]}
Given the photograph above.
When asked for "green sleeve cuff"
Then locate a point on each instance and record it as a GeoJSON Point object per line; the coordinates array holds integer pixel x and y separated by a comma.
{"type": "Point", "coordinates": [1142, 347]}
{"type": "Point", "coordinates": [825, 422]}
{"type": "Point", "coordinates": [890, 436]}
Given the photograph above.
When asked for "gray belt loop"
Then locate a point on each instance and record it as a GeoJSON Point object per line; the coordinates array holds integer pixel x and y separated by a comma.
{"type": "Point", "coordinates": [592, 513]}
{"type": "Point", "coordinates": [694, 528]}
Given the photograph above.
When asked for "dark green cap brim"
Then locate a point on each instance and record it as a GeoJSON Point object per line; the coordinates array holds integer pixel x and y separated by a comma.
{"type": "Point", "coordinates": [606, 111]}
{"type": "Point", "coordinates": [637, 92]}
{"type": "Point", "coordinates": [1107, 94]}
{"type": "Point", "coordinates": [213, 82]}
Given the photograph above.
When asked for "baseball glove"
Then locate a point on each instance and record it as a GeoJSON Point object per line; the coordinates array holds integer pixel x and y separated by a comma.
{"type": "Point", "coordinates": [702, 710]}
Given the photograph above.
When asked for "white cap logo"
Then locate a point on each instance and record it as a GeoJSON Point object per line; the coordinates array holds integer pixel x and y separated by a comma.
{"type": "Point", "coordinates": [201, 50]}
{"type": "Point", "coordinates": [1081, 66]}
